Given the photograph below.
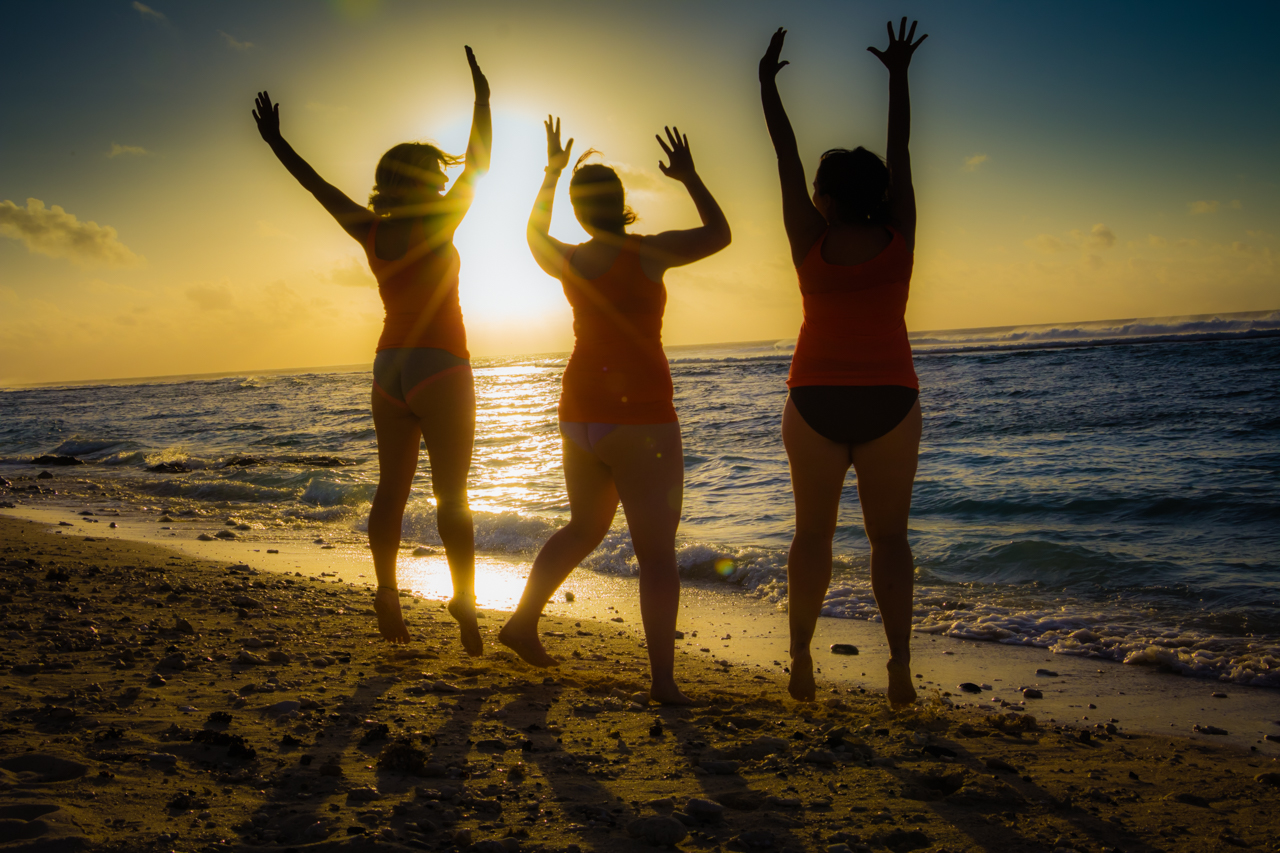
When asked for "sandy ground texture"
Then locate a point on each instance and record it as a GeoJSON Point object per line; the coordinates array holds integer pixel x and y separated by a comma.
{"type": "Point", "coordinates": [153, 701]}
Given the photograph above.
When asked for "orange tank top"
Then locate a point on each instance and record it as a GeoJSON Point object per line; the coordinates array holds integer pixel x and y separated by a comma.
{"type": "Point", "coordinates": [618, 373]}
{"type": "Point", "coordinates": [420, 293]}
{"type": "Point", "coordinates": [853, 331]}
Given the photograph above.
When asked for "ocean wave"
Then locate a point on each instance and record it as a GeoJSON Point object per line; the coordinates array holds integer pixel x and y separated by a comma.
{"type": "Point", "coordinates": [88, 447]}
{"type": "Point", "coordinates": [329, 493]}
{"type": "Point", "coordinates": [216, 491]}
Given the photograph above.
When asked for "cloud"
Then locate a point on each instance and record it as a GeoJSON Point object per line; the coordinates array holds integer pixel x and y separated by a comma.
{"type": "Point", "coordinates": [234, 43]}
{"type": "Point", "coordinates": [211, 297]}
{"type": "Point", "coordinates": [352, 273]}
{"type": "Point", "coordinates": [1156, 242]}
{"type": "Point", "coordinates": [971, 164]}
{"type": "Point", "coordinates": [1235, 204]}
{"type": "Point", "coordinates": [1198, 207]}
{"type": "Point", "coordinates": [57, 234]}
{"type": "Point", "coordinates": [1102, 236]}
{"type": "Point", "coordinates": [117, 149]}
{"type": "Point", "coordinates": [1046, 243]}
{"type": "Point", "coordinates": [148, 12]}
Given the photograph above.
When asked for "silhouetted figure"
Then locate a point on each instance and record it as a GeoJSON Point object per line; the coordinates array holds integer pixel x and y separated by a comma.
{"type": "Point", "coordinates": [422, 385]}
{"type": "Point", "coordinates": [854, 391]}
{"type": "Point", "coordinates": [620, 434]}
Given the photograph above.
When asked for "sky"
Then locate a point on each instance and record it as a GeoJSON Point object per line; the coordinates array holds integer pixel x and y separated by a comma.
{"type": "Point", "coordinates": [1072, 162]}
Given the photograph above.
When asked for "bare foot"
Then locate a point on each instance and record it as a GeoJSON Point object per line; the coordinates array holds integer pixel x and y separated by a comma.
{"type": "Point", "coordinates": [801, 686]}
{"type": "Point", "coordinates": [669, 694]}
{"type": "Point", "coordinates": [386, 603]}
{"type": "Point", "coordinates": [901, 691]}
{"type": "Point", "coordinates": [527, 645]}
{"type": "Point", "coordinates": [465, 614]}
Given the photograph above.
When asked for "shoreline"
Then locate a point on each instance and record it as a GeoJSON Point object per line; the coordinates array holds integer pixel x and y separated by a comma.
{"type": "Point", "coordinates": [158, 702]}
{"type": "Point", "coordinates": [748, 632]}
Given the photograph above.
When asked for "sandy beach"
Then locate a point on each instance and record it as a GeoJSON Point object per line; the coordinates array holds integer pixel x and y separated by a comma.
{"type": "Point", "coordinates": [157, 701]}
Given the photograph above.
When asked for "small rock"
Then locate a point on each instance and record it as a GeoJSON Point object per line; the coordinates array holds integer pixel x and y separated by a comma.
{"type": "Point", "coordinates": [249, 658]}
{"type": "Point", "coordinates": [969, 687]}
{"type": "Point", "coordinates": [820, 756]}
{"type": "Point", "coordinates": [843, 649]}
{"type": "Point", "coordinates": [205, 537]}
{"type": "Point", "coordinates": [182, 626]}
{"type": "Point", "coordinates": [225, 534]}
{"type": "Point", "coordinates": [568, 596]}
{"type": "Point", "coordinates": [1209, 730]}
{"type": "Point", "coordinates": [1047, 673]}
{"type": "Point", "coordinates": [1032, 693]}
{"type": "Point", "coordinates": [998, 764]}
{"type": "Point", "coordinates": [707, 811]}
{"type": "Point", "coordinates": [659, 830]}
{"type": "Point", "coordinates": [362, 795]}
{"type": "Point", "coordinates": [1189, 799]}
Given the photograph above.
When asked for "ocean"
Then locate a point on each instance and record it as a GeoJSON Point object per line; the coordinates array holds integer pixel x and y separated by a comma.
{"type": "Point", "coordinates": [1099, 489]}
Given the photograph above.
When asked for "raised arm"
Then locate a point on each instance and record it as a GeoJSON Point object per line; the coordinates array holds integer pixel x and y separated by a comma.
{"type": "Point", "coordinates": [902, 195]}
{"type": "Point", "coordinates": [804, 224]}
{"type": "Point", "coordinates": [677, 248]}
{"type": "Point", "coordinates": [480, 145]}
{"type": "Point", "coordinates": [354, 218]}
{"type": "Point", "coordinates": [547, 251]}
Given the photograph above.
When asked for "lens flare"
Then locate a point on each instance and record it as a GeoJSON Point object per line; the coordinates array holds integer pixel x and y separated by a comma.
{"type": "Point", "coordinates": [724, 566]}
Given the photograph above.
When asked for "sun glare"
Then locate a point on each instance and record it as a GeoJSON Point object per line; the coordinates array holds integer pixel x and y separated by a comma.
{"type": "Point", "coordinates": [500, 281]}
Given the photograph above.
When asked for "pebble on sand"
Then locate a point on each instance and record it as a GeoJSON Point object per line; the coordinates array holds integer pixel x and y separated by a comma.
{"type": "Point", "coordinates": [843, 649]}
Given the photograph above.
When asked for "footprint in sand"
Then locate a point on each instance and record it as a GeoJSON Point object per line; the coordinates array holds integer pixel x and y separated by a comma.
{"type": "Point", "coordinates": [35, 768]}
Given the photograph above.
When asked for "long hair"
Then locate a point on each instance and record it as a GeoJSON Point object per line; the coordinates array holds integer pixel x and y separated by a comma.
{"type": "Point", "coordinates": [595, 190]}
{"type": "Point", "coordinates": [857, 182]}
{"type": "Point", "coordinates": [404, 168]}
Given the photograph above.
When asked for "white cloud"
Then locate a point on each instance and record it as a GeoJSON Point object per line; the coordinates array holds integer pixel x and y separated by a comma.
{"type": "Point", "coordinates": [971, 164]}
{"type": "Point", "coordinates": [234, 43]}
{"type": "Point", "coordinates": [148, 12]}
{"type": "Point", "coordinates": [136, 150]}
{"type": "Point", "coordinates": [57, 234]}
{"type": "Point", "coordinates": [211, 297]}
{"type": "Point", "coordinates": [1198, 207]}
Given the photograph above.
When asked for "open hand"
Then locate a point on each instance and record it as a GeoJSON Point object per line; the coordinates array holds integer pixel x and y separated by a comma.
{"type": "Point", "coordinates": [677, 151]}
{"type": "Point", "coordinates": [267, 116]}
{"type": "Point", "coordinates": [769, 63]}
{"type": "Point", "coordinates": [477, 78]}
{"type": "Point", "coordinates": [897, 56]}
{"type": "Point", "coordinates": [557, 157]}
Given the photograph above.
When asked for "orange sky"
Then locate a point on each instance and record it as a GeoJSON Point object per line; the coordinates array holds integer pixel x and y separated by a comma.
{"type": "Point", "coordinates": [1064, 171]}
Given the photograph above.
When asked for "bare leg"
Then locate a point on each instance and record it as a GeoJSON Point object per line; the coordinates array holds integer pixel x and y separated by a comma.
{"type": "Point", "coordinates": [647, 462]}
{"type": "Point", "coordinates": [398, 437]}
{"type": "Point", "coordinates": [446, 410]}
{"type": "Point", "coordinates": [593, 500]}
{"type": "Point", "coordinates": [818, 468]}
{"type": "Point", "coordinates": [886, 473]}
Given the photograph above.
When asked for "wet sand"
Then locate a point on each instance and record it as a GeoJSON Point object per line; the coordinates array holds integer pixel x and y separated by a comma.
{"type": "Point", "coordinates": [157, 701]}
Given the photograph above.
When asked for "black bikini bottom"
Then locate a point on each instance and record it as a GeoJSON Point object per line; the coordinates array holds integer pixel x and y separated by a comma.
{"type": "Point", "coordinates": [853, 414]}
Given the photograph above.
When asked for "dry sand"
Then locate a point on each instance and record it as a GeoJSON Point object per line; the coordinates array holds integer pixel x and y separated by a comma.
{"type": "Point", "coordinates": [155, 701]}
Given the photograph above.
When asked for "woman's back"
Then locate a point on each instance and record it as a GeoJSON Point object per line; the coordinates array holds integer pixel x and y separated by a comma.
{"type": "Point", "coordinates": [417, 268]}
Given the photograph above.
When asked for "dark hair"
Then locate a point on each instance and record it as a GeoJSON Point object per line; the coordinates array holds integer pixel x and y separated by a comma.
{"type": "Point", "coordinates": [595, 190]}
{"type": "Point", "coordinates": [405, 167]}
{"type": "Point", "coordinates": [857, 182]}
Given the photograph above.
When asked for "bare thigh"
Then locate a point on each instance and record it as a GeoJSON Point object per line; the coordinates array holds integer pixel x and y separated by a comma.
{"type": "Point", "coordinates": [646, 462]}
{"type": "Point", "coordinates": [886, 469]}
{"type": "Point", "coordinates": [446, 415]}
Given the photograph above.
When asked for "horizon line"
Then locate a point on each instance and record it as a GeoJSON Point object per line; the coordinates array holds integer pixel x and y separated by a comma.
{"type": "Point", "coordinates": [352, 367]}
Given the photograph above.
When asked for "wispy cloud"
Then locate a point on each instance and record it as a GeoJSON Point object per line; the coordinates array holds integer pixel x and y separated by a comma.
{"type": "Point", "coordinates": [1156, 242]}
{"type": "Point", "coordinates": [148, 12]}
{"type": "Point", "coordinates": [1099, 236]}
{"type": "Point", "coordinates": [971, 164]}
{"type": "Point", "coordinates": [55, 233]}
{"type": "Point", "coordinates": [1046, 243]}
{"type": "Point", "coordinates": [136, 150]}
{"type": "Point", "coordinates": [1201, 207]}
{"type": "Point", "coordinates": [352, 273]}
{"type": "Point", "coordinates": [211, 297]}
{"type": "Point", "coordinates": [234, 43]}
